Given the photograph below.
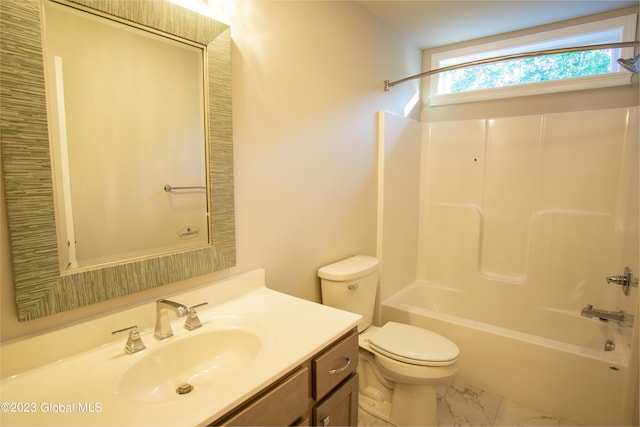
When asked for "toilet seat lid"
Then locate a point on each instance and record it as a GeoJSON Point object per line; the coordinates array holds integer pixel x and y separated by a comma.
{"type": "Point", "coordinates": [413, 345]}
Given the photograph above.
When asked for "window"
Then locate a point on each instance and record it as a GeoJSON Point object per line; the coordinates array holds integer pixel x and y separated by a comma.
{"type": "Point", "coordinates": [538, 75]}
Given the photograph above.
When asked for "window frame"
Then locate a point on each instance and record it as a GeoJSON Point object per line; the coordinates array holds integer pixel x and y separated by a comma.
{"type": "Point", "coordinates": [611, 30]}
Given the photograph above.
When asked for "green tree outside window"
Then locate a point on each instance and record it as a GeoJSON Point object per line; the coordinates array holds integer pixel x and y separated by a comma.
{"type": "Point", "coordinates": [530, 70]}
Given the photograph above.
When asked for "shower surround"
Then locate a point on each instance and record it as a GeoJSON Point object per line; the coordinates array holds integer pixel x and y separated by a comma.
{"type": "Point", "coordinates": [526, 217]}
{"type": "Point", "coordinates": [538, 204]}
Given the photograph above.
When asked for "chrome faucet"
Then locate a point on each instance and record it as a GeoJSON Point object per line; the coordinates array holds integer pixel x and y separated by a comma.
{"type": "Point", "coordinates": [621, 317]}
{"type": "Point", "coordinates": [163, 326]}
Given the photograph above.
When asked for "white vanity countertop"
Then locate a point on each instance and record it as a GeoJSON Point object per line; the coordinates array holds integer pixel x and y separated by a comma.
{"type": "Point", "coordinates": [82, 389]}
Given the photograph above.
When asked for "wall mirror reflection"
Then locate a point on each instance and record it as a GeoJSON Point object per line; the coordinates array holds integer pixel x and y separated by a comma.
{"type": "Point", "coordinates": [126, 118]}
{"type": "Point", "coordinates": [67, 167]}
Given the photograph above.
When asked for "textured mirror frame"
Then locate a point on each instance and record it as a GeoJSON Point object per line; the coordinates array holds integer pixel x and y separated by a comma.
{"type": "Point", "coordinates": [40, 288]}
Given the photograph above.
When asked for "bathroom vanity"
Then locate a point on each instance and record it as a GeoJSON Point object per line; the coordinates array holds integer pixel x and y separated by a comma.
{"type": "Point", "coordinates": [315, 393]}
{"type": "Point", "coordinates": [261, 357]}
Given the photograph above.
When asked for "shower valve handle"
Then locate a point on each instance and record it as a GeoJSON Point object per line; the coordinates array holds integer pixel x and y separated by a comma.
{"type": "Point", "coordinates": [626, 280]}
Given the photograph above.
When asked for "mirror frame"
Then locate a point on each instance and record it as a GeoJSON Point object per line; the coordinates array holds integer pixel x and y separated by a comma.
{"type": "Point", "coordinates": [41, 289]}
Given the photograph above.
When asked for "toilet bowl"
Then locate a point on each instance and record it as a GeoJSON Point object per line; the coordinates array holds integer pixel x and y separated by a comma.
{"type": "Point", "coordinates": [400, 364]}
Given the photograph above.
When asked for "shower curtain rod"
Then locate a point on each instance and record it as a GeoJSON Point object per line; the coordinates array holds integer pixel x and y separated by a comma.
{"type": "Point", "coordinates": [388, 84]}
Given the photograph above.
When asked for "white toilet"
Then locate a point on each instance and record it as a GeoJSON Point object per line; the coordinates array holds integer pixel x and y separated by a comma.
{"type": "Point", "coordinates": [399, 364]}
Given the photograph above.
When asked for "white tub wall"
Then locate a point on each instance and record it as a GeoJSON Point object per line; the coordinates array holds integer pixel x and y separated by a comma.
{"type": "Point", "coordinates": [455, 140]}
{"type": "Point", "coordinates": [630, 194]}
{"type": "Point", "coordinates": [529, 207]}
{"type": "Point", "coordinates": [630, 253]}
{"type": "Point", "coordinates": [532, 210]}
{"type": "Point", "coordinates": [634, 369]}
{"type": "Point", "coordinates": [399, 147]}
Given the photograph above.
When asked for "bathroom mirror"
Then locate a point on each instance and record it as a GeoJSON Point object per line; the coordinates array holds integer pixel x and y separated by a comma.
{"type": "Point", "coordinates": [42, 286]}
{"type": "Point", "coordinates": [127, 137]}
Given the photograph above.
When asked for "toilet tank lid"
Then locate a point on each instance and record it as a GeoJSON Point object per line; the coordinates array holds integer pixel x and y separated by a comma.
{"type": "Point", "coordinates": [349, 269]}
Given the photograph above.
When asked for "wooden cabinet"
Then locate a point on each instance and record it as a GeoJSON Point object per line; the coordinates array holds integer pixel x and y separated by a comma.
{"type": "Point", "coordinates": [321, 391]}
{"type": "Point", "coordinates": [282, 405]}
{"type": "Point", "coordinates": [334, 365]}
{"type": "Point", "coordinates": [340, 408]}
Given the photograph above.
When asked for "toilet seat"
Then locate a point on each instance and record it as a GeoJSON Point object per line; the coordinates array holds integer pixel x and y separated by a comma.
{"type": "Point", "coordinates": [413, 345]}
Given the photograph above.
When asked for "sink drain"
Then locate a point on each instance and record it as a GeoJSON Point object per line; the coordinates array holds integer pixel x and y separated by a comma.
{"type": "Point", "coordinates": [609, 345]}
{"type": "Point", "coordinates": [184, 388]}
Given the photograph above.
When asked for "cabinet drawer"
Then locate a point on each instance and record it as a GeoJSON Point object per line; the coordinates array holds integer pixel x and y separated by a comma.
{"type": "Point", "coordinates": [333, 366]}
{"type": "Point", "coordinates": [281, 406]}
{"type": "Point", "coordinates": [340, 408]}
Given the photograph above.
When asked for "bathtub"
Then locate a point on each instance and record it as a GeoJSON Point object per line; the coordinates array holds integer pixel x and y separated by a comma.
{"type": "Point", "coordinates": [553, 360]}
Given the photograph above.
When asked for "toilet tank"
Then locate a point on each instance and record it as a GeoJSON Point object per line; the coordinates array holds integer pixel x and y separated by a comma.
{"type": "Point", "coordinates": [351, 285]}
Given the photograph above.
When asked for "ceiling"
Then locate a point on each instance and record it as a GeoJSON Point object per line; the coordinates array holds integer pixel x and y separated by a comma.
{"type": "Point", "coordinates": [431, 23]}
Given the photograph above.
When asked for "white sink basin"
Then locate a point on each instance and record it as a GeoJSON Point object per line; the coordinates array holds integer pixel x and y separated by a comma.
{"type": "Point", "coordinates": [250, 337]}
{"type": "Point", "coordinates": [187, 366]}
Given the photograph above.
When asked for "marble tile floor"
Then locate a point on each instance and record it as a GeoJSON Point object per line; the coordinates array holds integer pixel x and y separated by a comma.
{"type": "Point", "coordinates": [463, 404]}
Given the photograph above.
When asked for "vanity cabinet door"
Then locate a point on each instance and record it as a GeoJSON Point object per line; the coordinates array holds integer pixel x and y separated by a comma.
{"type": "Point", "coordinates": [283, 405]}
{"type": "Point", "coordinates": [328, 378]}
{"type": "Point", "coordinates": [340, 408]}
{"type": "Point", "coordinates": [336, 364]}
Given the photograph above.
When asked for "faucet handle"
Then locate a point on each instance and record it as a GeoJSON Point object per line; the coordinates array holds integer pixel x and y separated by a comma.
{"type": "Point", "coordinates": [625, 280]}
{"type": "Point", "coordinates": [134, 342]}
{"type": "Point", "coordinates": [193, 322]}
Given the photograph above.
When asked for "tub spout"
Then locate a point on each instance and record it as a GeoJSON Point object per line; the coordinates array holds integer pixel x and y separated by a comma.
{"type": "Point", "coordinates": [620, 317]}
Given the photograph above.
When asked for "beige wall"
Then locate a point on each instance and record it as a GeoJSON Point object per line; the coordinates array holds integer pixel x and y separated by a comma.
{"type": "Point", "coordinates": [307, 83]}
